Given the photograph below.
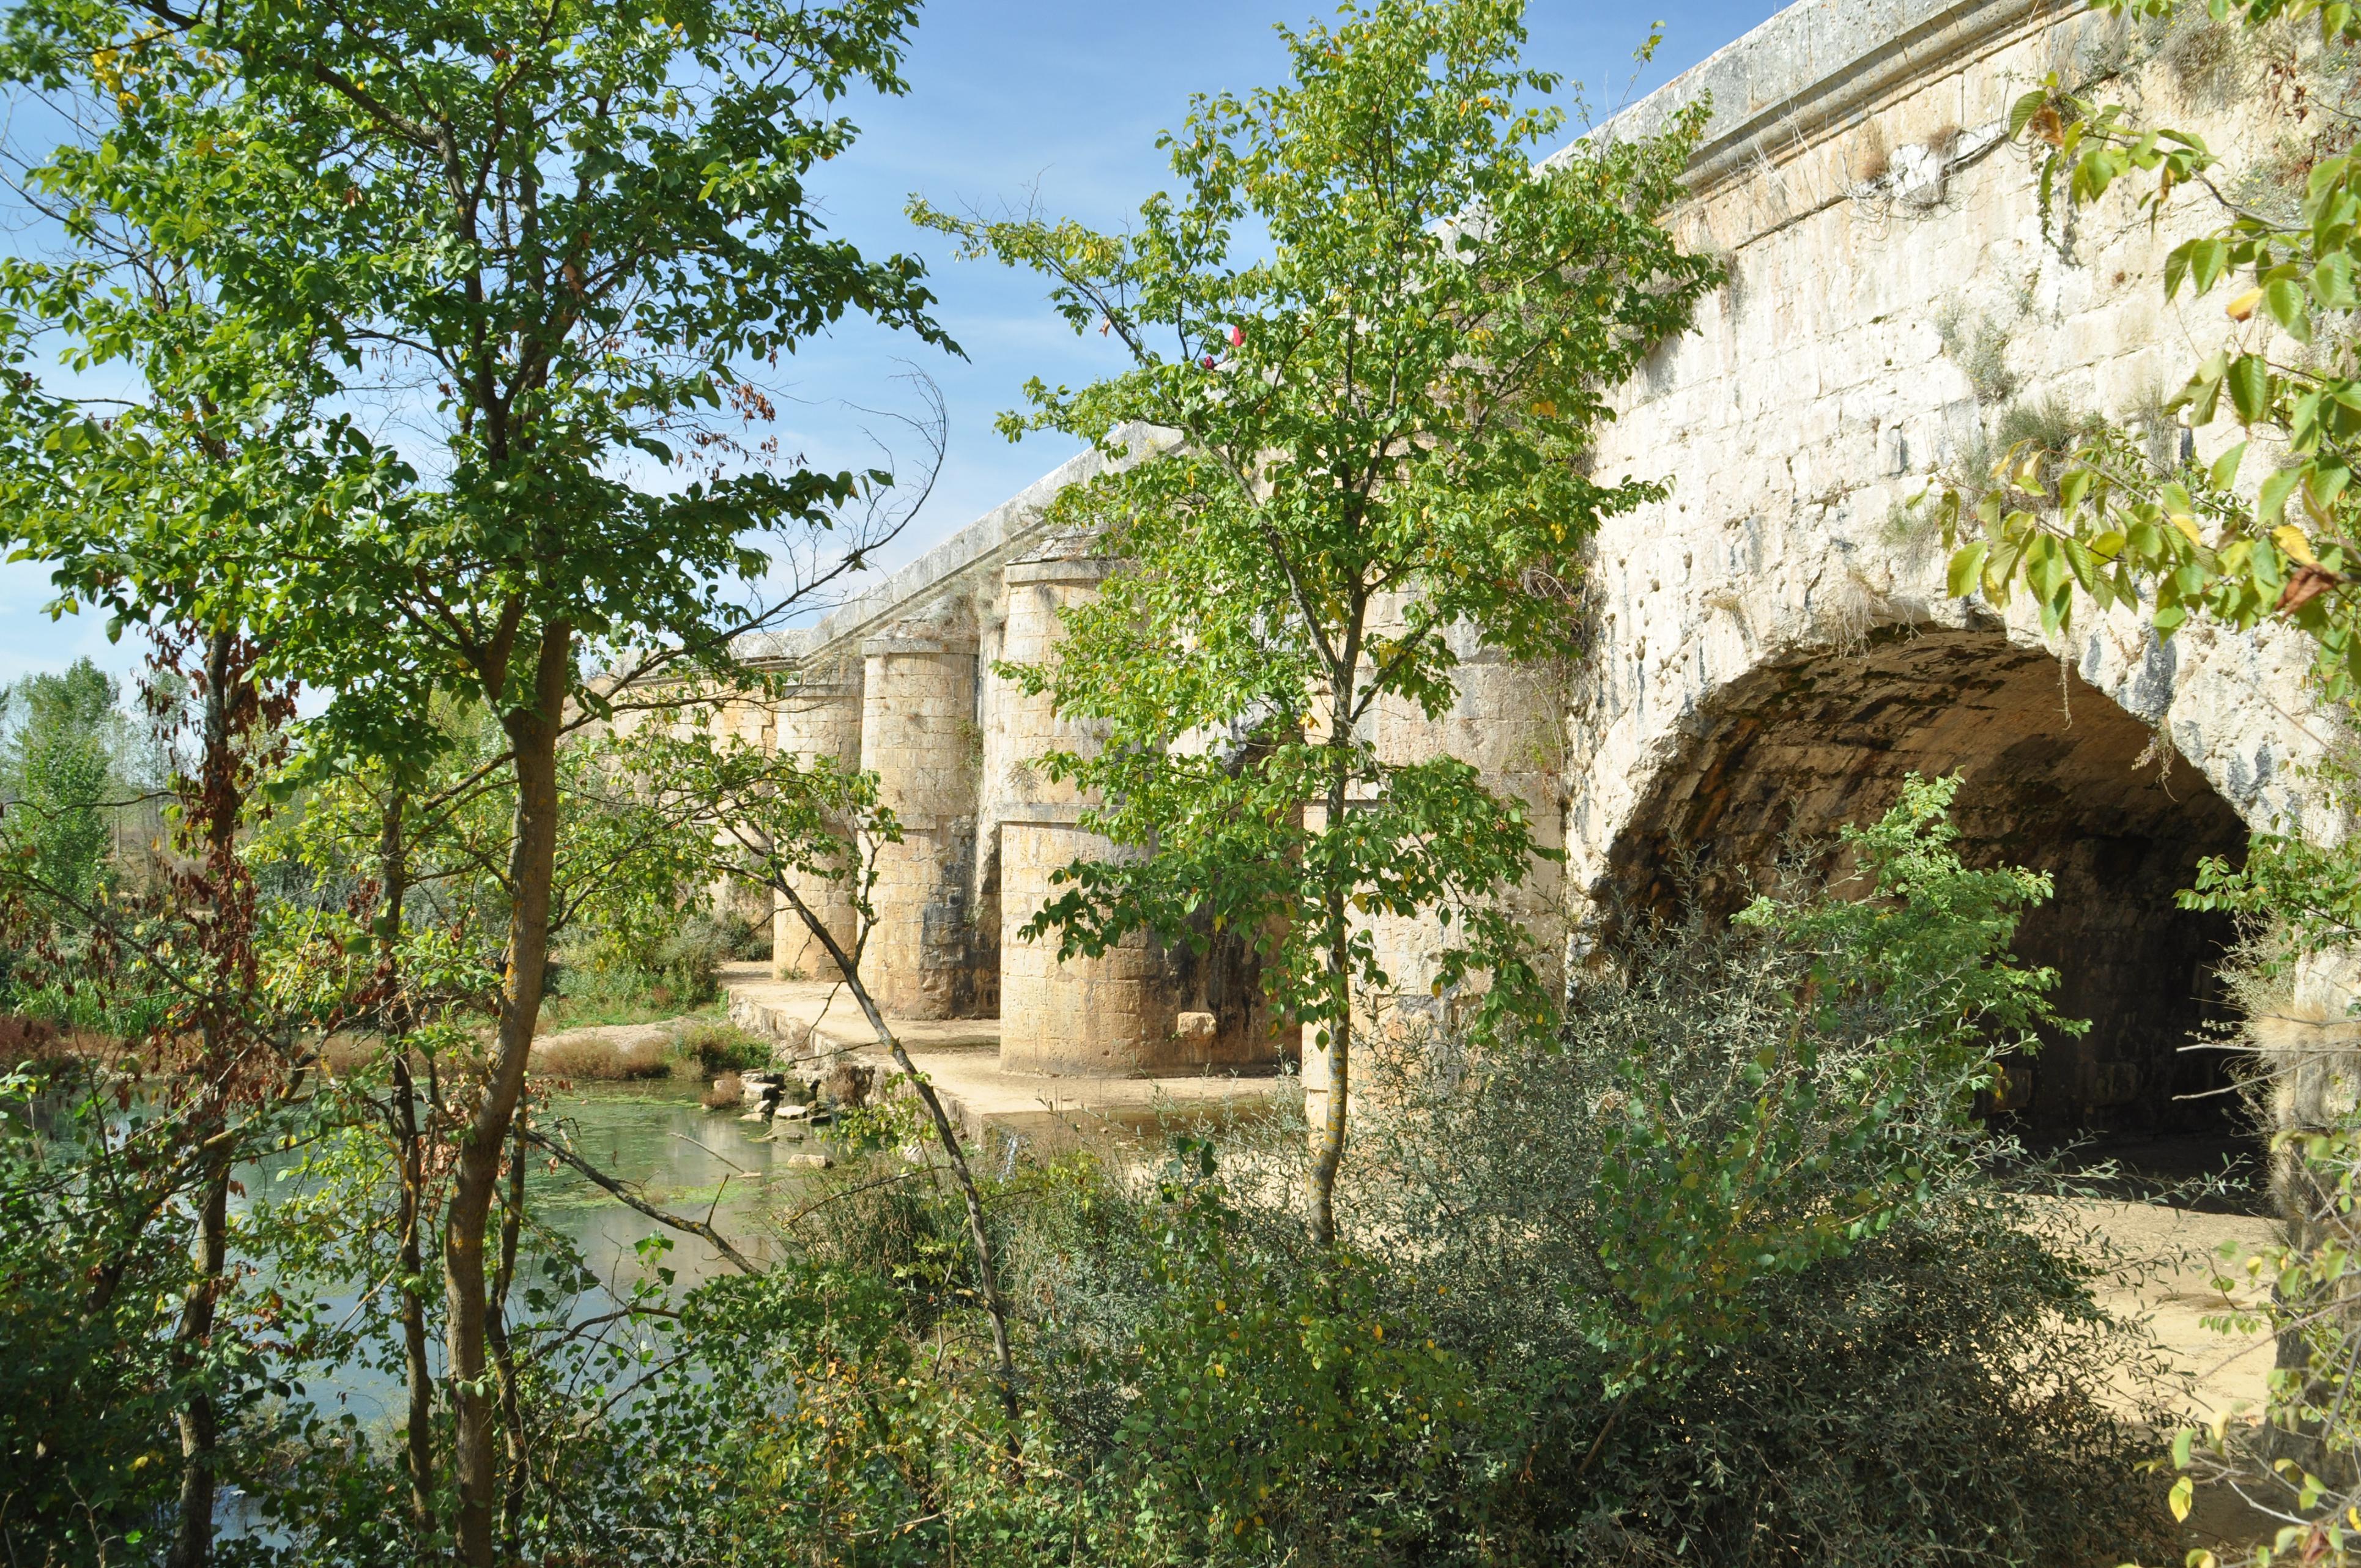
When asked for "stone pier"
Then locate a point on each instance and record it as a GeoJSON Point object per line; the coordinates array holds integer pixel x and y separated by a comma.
{"type": "Point", "coordinates": [918, 735]}
{"type": "Point", "coordinates": [820, 722]}
{"type": "Point", "coordinates": [1112, 1016]}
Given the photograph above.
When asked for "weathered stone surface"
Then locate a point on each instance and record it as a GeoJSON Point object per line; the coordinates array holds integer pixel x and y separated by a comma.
{"type": "Point", "coordinates": [820, 721]}
{"type": "Point", "coordinates": [1114, 1015]}
{"type": "Point", "coordinates": [927, 956]}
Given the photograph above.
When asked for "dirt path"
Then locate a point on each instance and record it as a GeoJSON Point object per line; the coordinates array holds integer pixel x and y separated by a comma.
{"type": "Point", "coordinates": [2164, 1264]}
{"type": "Point", "coordinates": [2170, 1260]}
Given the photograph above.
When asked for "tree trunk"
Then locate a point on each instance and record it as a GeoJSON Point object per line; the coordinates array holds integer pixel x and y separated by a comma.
{"type": "Point", "coordinates": [192, 1538]}
{"type": "Point", "coordinates": [533, 739]}
{"type": "Point", "coordinates": [218, 807]}
{"type": "Point", "coordinates": [410, 1152]}
{"type": "Point", "coordinates": [419, 1425]}
{"type": "Point", "coordinates": [496, 1327]}
{"type": "Point", "coordinates": [1328, 1138]}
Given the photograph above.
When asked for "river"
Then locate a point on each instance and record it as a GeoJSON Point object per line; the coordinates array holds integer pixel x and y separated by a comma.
{"type": "Point", "coordinates": [681, 1157]}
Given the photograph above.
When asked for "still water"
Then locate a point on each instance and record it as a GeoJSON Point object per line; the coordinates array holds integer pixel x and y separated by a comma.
{"type": "Point", "coordinates": [680, 1157]}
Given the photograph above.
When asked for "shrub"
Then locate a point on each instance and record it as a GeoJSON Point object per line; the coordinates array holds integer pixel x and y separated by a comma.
{"type": "Point", "coordinates": [1720, 1275]}
{"type": "Point", "coordinates": [600, 1057]}
{"type": "Point", "coordinates": [688, 961]}
{"type": "Point", "coordinates": [677, 965]}
{"type": "Point", "coordinates": [721, 1046]}
{"type": "Point", "coordinates": [728, 1090]}
{"type": "Point", "coordinates": [1879, 1358]}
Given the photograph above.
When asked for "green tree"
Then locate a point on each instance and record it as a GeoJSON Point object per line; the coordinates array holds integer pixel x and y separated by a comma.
{"type": "Point", "coordinates": [1385, 339]}
{"type": "Point", "coordinates": [59, 770]}
{"type": "Point", "coordinates": [564, 236]}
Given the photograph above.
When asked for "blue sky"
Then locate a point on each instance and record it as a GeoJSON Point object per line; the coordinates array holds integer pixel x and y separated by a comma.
{"type": "Point", "coordinates": [1011, 100]}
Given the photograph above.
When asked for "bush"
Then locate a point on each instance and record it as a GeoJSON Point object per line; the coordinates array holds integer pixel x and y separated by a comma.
{"type": "Point", "coordinates": [678, 965]}
{"type": "Point", "coordinates": [719, 1046]}
{"type": "Point", "coordinates": [1720, 1274]}
{"type": "Point", "coordinates": [1878, 1354]}
{"type": "Point", "coordinates": [598, 1056]}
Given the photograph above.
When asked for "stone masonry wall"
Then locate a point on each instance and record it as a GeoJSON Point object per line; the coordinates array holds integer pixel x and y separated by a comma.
{"type": "Point", "coordinates": [1871, 244]}
{"type": "Point", "coordinates": [820, 722]}
{"type": "Point", "coordinates": [1775, 646]}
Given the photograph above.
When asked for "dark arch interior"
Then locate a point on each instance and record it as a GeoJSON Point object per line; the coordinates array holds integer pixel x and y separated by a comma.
{"type": "Point", "coordinates": [2054, 776]}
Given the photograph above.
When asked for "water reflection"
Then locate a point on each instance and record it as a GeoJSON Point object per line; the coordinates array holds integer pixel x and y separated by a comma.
{"type": "Point", "coordinates": [678, 1156]}
{"type": "Point", "coordinates": [687, 1159]}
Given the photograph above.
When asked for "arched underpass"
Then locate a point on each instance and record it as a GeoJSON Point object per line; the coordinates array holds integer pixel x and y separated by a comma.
{"type": "Point", "coordinates": [2054, 778]}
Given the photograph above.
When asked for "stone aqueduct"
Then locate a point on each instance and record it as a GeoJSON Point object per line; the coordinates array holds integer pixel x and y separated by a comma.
{"type": "Point", "coordinates": [1771, 650]}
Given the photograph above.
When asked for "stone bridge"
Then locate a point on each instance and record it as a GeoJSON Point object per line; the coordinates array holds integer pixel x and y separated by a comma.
{"type": "Point", "coordinates": [1772, 650]}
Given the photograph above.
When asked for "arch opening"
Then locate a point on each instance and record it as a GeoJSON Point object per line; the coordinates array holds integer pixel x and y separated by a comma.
{"type": "Point", "coordinates": [2054, 776]}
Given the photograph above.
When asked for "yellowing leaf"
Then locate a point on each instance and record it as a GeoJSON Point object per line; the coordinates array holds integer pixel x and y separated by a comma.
{"type": "Point", "coordinates": [2182, 1492]}
{"type": "Point", "coordinates": [1546, 409]}
{"type": "Point", "coordinates": [2293, 546]}
{"type": "Point", "coordinates": [2243, 305]}
{"type": "Point", "coordinates": [2188, 525]}
{"type": "Point", "coordinates": [1966, 570]}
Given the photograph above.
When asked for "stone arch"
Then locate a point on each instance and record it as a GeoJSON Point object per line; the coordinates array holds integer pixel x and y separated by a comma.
{"type": "Point", "coordinates": [2055, 776]}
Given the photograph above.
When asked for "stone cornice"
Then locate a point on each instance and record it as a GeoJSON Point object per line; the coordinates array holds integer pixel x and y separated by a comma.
{"type": "Point", "coordinates": [1008, 532]}
{"type": "Point", "coordinates": [1818, 67]}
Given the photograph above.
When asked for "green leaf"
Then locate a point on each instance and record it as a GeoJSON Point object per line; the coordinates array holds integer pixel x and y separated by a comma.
{"type": "Point", "coordinates": [2208, 258]}
{"type": "Point", "coordinates": [2204, 387]}
{"type": "Point", "coordinates": [2224, 472]}
{"type": "Point", "coordinates": [2073, 488]}
{"type": "Point", "coordinates": [2263, 567]}
{"type": "Point", "coordinates": [2332, 281]}
{"type": "Point", "coordinates": [2021, 113]}
{"type": "Point", "coordinates": [2291, 306]}
{"type": "Point", "coordinates": [2084, 566]}
{"type": "Point", "coordinates": [2271, 505]}
{"type": "Point", "coordinates": [2249, 380]}
{"type": "Point", "coordinates": [1967, 569]}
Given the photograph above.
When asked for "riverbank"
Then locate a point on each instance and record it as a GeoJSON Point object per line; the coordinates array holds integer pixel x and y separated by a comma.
{"type": "Point", "coordinates": [2159, 1262]}
{"type": "Point", "coordinates": [815, 1022]}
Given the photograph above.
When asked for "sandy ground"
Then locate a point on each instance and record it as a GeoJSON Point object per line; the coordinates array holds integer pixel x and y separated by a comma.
{"type": "Point", "coordinates": [2170, 1272]}
{"type": "Point", "coordinates": [2167, 1268]}
{"type": "Point", "coordinates": [961, 1056]}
